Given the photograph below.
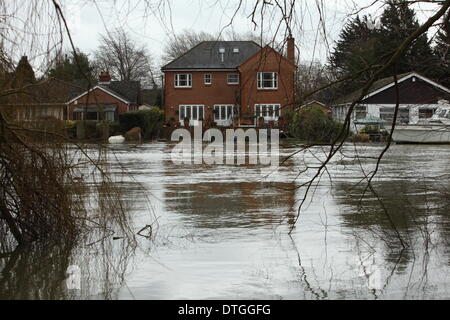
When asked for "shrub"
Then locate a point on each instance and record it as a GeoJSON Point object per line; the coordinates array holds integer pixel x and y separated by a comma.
{"type": "Point", "coordinates": [150, 121]}
{"type": "Point", "coordinates": [361, 138]}
{"type": "Point", "coordinates": [90, 127]}
{"type": "Point", "coordinates": [314, 125]}
{"type": "Point", "coordinates": [115, 129]}
{"type": "Point", "coordinates": [370, 129]}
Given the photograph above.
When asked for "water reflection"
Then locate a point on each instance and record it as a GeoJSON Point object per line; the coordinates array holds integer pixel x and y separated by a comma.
{"type": "Point", "coordinates": [65, 272]}
{"type": "Point", "coordinates": [35, 273]}
{"type": "Point", "coordinates": [413, 208]}
{"type": "Point", "coordinates": [344, 246]}
{"type": "Point", "coordinates": [230, 205]}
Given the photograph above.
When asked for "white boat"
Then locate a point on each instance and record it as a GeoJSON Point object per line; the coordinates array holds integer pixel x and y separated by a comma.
{"type": "Point", "coordinates": [433, 130]}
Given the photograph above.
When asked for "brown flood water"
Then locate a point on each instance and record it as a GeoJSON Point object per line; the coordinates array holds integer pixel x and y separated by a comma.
{"type": "Point", "coordinates": [223, 232]}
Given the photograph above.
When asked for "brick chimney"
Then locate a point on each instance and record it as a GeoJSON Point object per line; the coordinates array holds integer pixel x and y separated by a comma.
{"type": "Point", "coordinates": [291, 49]}
{"type": "Point", "coordinates": [104, 78]}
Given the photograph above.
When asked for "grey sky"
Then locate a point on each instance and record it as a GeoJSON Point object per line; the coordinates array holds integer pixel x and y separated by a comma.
{"type": "Point", "coordinates": [154, 26]}
{"type": "Point", "coordinates": [154, 29]}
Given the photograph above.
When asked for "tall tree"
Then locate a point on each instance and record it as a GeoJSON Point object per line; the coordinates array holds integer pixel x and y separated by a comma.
{"type": "Point", "coordinates": [398, 22]}
{"type": "Point", "coordinates": [311, 77]}
{"type": "Point", "coordinates": [442, 52]}
{"type": "Point", "coordinates": [183, 42]}
{"type": "Point", "coordinates": [68, 68]}
{"type": "Point", "coordinates": [356, 50]}
{"type": "Point", "coordinates": [362, 45]}
{"type": "Point", "coordinates": [124, 59]}
{"type": "Point", "coordinates": [24, 74]}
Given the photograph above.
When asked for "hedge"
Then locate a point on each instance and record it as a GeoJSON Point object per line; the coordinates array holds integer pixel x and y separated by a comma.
{"type": "Point", "coordinates": [150, 121]}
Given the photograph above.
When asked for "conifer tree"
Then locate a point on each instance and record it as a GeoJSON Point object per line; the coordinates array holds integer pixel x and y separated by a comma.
{"type": "Point", "coordinates": [398, 22]}
{"type": "Point", "coordinates": [66, 68]}
{"type": "Point", "coordinates": [442, 52]}
{"type": "Point", "coordinates": [356, 50]}
{"type": "Point", "coordinates": [361, 46]}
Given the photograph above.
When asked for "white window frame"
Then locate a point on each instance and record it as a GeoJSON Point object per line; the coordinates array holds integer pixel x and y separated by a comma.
{"type": "Point", "coordinates": [270, 108]}
{"type": "Point", "coordinates": [188, 80]}
{"type": "Point", "coordinates": [229, 114]}
{"type": "Point", "coordinates": [183, 108]}
{"type": "Point", "coordinates": [233, 74]}
{"type": "Point", "coordinates": [110, 116]}
{"type": "Point", "coordinates": [261, 82]}
{"type": "Point", "coordinates": [207, 83]}
{"type": "Point", "coordinates": [361, 112]}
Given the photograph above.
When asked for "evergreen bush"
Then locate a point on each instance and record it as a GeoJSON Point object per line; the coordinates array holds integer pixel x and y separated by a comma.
{"type": "Point", "coordinates": [314, 125]}
{"type": "Point", "coordinates": [150, 121]}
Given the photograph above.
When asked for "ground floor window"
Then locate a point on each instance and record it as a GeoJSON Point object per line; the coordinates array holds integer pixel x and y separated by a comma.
{"type": "Point", "coordinates": [360, 112]}
{"type": "Point", "coordinates": [268, 111]}
{"type": "Point", "coordinates": [426, 113]}
{"type": "Point", "coordinates": [387, 114]}
{"type": "Point", "coordinates": [223, 112]}
{"type": "Point", "coordinates": [192, 112]}
{"type": "Point", "coordinates": [108, 116]}
{"type": "Point", "coordinates": [95, 112]}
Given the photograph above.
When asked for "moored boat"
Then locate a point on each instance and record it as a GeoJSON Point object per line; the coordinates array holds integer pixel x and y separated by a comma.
{"type": "Point", "coordinates": [434, 130]}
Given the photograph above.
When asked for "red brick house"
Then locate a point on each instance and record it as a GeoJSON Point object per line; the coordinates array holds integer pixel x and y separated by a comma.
{"type": "Point", "coordinates": [226, 81]}
{"type": "Point", "coordinates": [105, 100]}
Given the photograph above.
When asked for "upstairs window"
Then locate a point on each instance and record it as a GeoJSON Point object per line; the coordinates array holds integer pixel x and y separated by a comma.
{"type": "Point", "coordinates": [233, 78]}
{"type": "Point", "coordinates": [208, 79]}
{"type": "Point", "coordinates": [267, 80]}
{"type": "Point", "coordinates": [183, 81]}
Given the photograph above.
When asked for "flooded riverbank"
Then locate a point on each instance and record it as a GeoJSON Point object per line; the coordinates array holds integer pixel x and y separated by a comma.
{"type": "Point", "coordinates": [223, 231]}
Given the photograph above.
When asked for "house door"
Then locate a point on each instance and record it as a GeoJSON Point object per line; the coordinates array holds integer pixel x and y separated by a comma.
{"type": "Point", "coordinates": [223, 114]}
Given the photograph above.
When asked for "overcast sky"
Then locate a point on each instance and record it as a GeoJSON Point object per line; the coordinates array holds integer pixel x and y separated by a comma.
{"type": "Point", "coordinates": [153, 25]}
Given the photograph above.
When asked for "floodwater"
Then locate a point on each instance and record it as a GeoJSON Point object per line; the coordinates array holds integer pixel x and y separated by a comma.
{"type": "Point", "coordinates": [222, 232]}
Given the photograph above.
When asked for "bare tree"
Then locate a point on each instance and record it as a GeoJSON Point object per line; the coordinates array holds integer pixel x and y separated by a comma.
{"type": "Point", "coordinates": [123, 58]}
{"type": "Point", "coordinates": [186, 40]}
{"type": "Point", "coordinates": [181, 43]}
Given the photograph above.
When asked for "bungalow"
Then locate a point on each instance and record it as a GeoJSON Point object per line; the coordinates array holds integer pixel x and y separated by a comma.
{"type": "Point", "coordinates": [53, 98]}
{"type": "Point", "coordinates": [105, 100]}
{"type": "Point", "coordinates": [418, 97]}
{"type": "Point", "coordinates": [30, 99]}
{"type": "Point", "coordinates": [229, 81]}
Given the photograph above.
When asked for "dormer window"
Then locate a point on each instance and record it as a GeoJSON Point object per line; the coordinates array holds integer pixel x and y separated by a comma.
{"type": "Point", "coordinates": [233, 78]}
{"type": "Point", "coordinates": [183, 81]}
{"type": "Point", "coordinates": [267, 80]}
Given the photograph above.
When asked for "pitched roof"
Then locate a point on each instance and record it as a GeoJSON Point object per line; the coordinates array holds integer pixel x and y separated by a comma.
{"type": "Point", "coordinates": [128, 91]}
{"type": "Point", "coordinates": [206, 55]}
{"type": "Point", "coordinates": [48, 91]}
{"type": "Point", "coordinates": [310, 102]}
{"type": "Point", "coordinates": [375, 87]}
{"type": "Point", "coordinates": [386, 83]}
